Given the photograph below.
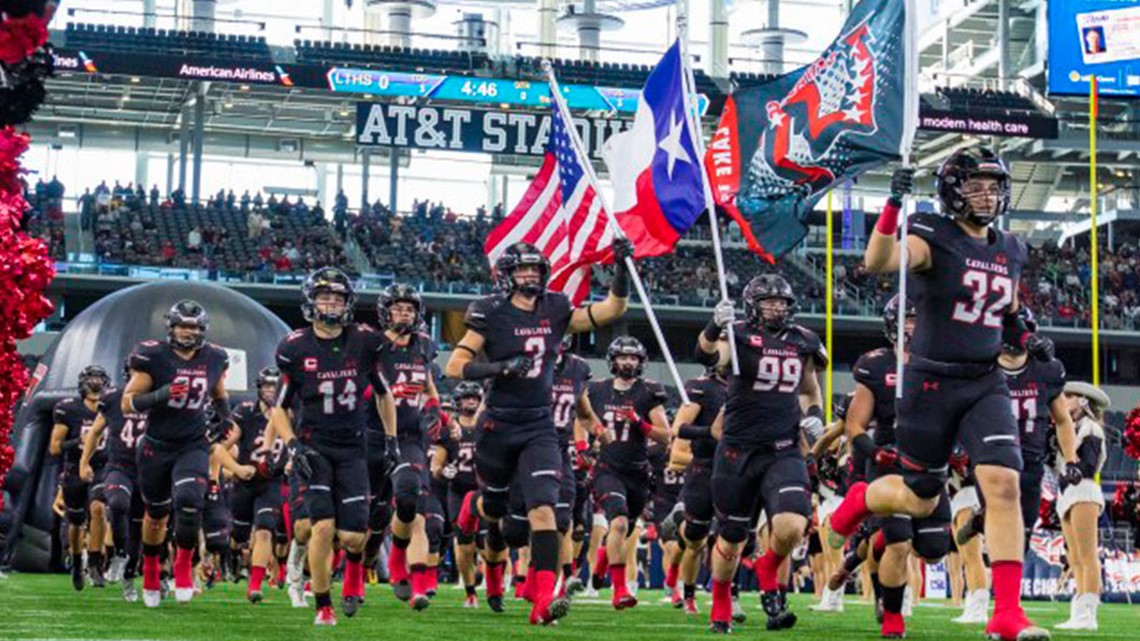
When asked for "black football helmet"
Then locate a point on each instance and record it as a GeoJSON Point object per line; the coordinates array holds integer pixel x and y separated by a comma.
{"type": "Point", "coordinates": [1030, 322]}
{"type": "Point", "coordinates": [467, 389]}
{"type": "Point", "coordinates": [268, 376]}
{"type": "Point", "coordinates": [891, 317]}
{"type": "Point", "coordinates": [960, 168]}
{"type": "Point", "coordinates": [627, 346]}
{"type": "Point", "coordinates": [520, 255]}
{"type": "Point", "coordinates": [93, 380]}
{"type": "Point", "coordinates": [328, 279]}
{"type": "Point", "coordinates": [187, 312]}
{"type": "Point", "coordinates": [399, 293]}
{"type": "Point", "coordinates": [762, 288]}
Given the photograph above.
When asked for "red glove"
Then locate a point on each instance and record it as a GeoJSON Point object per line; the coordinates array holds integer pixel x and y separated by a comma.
{"type": "Point", "coordinates": [407, 390]}
{"type": "Point", "coordinates": [886, 457]}
{"type": "Point", "coordinates": [178, 390]}
{"type": "Point", "coordinates": [960, 463]}
{"type": "Point", "coordinates": [630, 415]}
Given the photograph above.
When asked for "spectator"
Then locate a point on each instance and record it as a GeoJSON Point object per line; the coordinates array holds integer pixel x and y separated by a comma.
{"type": "Point", "coordinates": [154, 196]}
{"type": "Point", "coordinates": [194, 240]}
{"type": "Point", "coordinates": [253, 224]}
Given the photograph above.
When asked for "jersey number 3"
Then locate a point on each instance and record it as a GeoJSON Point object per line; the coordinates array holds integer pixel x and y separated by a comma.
{"type": "Point", "coordinates": [981, 284]}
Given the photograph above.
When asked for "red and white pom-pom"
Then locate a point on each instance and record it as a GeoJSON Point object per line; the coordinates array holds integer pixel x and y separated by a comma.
{"type": "Point", "coordinates": [1132, 434]}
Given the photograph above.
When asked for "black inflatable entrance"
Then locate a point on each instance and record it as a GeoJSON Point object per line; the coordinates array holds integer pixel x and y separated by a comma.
{"type": "Point", "coordinates": [104, 334]}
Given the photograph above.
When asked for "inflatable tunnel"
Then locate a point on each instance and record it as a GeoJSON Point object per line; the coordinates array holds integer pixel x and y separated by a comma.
{"type": "Point", "coordinates": [104, 334]}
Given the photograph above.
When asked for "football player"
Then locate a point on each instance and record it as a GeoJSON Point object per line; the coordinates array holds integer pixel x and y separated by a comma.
{"type": "Point", "coordinates": [693, 449]}
{"type": "Point", "coordinates": [775, 397]}
{"type": "Point", "coordinates": [123, 431]}
{"type": "Point", "coordinates": [257, 503]}
{"type": "Point", "coordinates": [965, 276]}
{"type": "Point", "coordinates": [405, 357]}
{"type": "Point", "coordinates": [518, 332]}
{"type": "Point", "coordinates": [455, 461]}
{"type": "Point", "coordinates": [74, 418]}
{"type": "Point", "coordinates": [326, 368]}
{"type": "Point", "coordinates": [174, 381]}
{"type": "Point", "coordinates": [632, 411]}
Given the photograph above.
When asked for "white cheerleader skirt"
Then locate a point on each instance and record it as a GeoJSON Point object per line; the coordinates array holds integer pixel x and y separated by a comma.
{"type": "Point", "coordinates": [1087, 491]}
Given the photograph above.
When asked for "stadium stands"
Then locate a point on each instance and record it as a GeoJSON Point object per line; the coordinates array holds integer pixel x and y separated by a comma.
{"type": "Point", "coordinates": [151, 40]}
{"type": "Point", "coordinates": [389, 57]}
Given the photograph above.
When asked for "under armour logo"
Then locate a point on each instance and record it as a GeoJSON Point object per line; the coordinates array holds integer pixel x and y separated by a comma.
{"type": "Point", "coordinates": [930, 386]}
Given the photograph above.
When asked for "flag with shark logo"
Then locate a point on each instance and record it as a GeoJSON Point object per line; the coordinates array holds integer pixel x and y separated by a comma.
{"type": "Point", "coordinates": [781, 145]}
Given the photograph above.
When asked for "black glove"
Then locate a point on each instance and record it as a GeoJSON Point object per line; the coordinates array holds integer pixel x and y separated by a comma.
{"type": "Point", "coordinates": [1072, 475]}
{"type": "Point", "coordinates": [300, 455]}
{"type": "Point", "coordinates": [391, 452]}
{"type": "Point", "coordinates": [71, 444]}
{"type": "Point", "coordinates": [1040, 347]}
{"type": "Point", "coordinates": [902, 184]}
{"type": "Point", "coordinates": [619, 286]}
{"type": "Point", "coordinates": [517, 366]}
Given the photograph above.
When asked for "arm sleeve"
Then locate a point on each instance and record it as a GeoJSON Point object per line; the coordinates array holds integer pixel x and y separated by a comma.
{"type": "Point", "coordinates": [1088, 455]}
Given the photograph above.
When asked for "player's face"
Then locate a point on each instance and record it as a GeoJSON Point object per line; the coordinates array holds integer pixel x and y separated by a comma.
{"type": "Point", "coordinates": [527, 275]}
{"type": "Point", "coordinates": [773, 309]}
{"type": "Point", "coordinates": [908, 327]}
{"type": "Point", "coordinates": [92, 386]}
{"type": "Point", "coordinates": [186, 334]}
{"type": "Point", "coordinates": [403, 313]}
{"type": "Point", "coordinates": [331, 303]}
{"type": "Point", "coordinates": [468, 405]}
{"type": "Point", "coordinates": [982, 192]}
{"type": "Point", "coordinates": [267, 393]}
{"type": "Point", "coordinates": [626, 365]}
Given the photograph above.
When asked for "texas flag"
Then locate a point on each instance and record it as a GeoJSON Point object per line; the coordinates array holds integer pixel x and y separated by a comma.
{"type": "Point", "coordinates": [656, 173]}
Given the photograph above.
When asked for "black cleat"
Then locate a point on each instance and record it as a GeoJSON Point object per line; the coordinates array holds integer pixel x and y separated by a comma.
{"type": "Point", "coordinates": [349, 605]}
{"type": "Point", "coordinates": [420, 602]}
{"type": "Point", "coordinates": [495, 603]}
{"type": "Point", "coordinates": [720, 627]}
{"type": "Point", "coordinates": [403, 591]}
{"type": "Point", "coordinates": [97, 578]}
{"type": "Point", "coordinates": [558, 609]}
{"type": "Point", "coordinates": [776, 607]}
{"type": "Point", "coordinates": [77, 577]}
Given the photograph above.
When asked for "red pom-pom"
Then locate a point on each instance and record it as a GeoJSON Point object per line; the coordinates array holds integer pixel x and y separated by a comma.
{"type": "Point", "coordinates": [1132, 434]}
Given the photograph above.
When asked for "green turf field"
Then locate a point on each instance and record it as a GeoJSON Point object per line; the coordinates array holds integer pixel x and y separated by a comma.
{"type": "Point", "coordinates": [46, 607]}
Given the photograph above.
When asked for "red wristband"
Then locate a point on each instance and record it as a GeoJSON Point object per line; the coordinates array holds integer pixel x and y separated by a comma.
{"type": "Point", "coordinates": [646, 427]}
{"type": "Point", "coordinates": [431, 402]}
{"type": "Point", "coordinates": [581, 446]}
{"type": "Point", "coordinates": [888, 222]}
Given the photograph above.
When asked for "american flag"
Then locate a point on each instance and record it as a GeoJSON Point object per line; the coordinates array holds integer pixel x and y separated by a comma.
{"type": "Point", "coordinates": [562, 215]}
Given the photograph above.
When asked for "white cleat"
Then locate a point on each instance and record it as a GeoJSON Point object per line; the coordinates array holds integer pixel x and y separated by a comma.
{"type": "Point", "coordinates": [976, 609]}
{"type": "Point", "coordinates": [297, 596]}
{"type": "Point", "coordinates": [152, 598]}
{"type": "Point", "coordinates": [183, 595]}
{"type": "Point", "coordinates": [117, 568]}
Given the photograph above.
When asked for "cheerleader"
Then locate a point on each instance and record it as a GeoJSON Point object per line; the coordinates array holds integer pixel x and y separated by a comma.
{"type": "Point", "coordinates": [1081, 501]}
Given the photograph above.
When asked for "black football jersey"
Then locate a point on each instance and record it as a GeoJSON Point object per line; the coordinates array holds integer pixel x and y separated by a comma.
{"type": "Point", "coordinates": [1031, 389]}
{"type": "Point", "coordinates": [710, 394]}
{"type": "Point", "coordinates": [763, 403]}
{"type": "Point", "coordinates": [251, 419]}
{"type": "Point", "coordinates": [182, 419]}
{"type": "Point", "coordinates": [78, 418]}
{"type": "Point", "coordinates": [570, 379]}
{"type": "Point", "coordinates": [408, 365]}
{"type": "Point", "coordinates": [509, 332]}
{"type": "Point", "coordinates": [961, 299]}
{"type": "Point", "coordinates": [628, 449]}
{"type": "Point", "coordinates": [123, 430]}
{"type": "Point", "coordinates": [462, 454]}
{"type": "Point", "coordinates": [667, 483]}
{"type": "Point", "coordinates": [876, 370]}
{"type": "Point", "coordinates": [328, 379]}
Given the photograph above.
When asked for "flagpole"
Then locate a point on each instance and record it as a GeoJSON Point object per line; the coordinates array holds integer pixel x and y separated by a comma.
{"type": "Point", "coordinates": [828, 312]}
{"type": "Point", "coordinates": [910, 112]}
{"type": "Point", "coordinates": [688, 87]}
{"type": "Point", "coordinates": [1094, 193]}
{"type": "Point", "coordinates": [588, 166]}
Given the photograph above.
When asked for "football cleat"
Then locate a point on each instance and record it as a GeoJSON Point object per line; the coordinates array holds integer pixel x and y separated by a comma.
{"type": "Point", "coordinates": [738, 615]}
{"type": "Point", "coordinates": [894, 626]}
{"type": "Point", "coordinates": [255, 596]}
{"type": "Point", "coordinates": [130, 594]}
{"type": "Point", "coordinates": [720, 627]}
{"type": "Point", "coordinates": [403, 590]}
{"type": "Point", "coordinates": [691, 607]}
{"type": "Point", "coordinates": [557, 609]}
{"type": "Point", "coordinates": [420, 602]}
{"type": "Point", "coordinates": [297, 596]}
{"type": "Point", "coordinates": [349, 605]}
{"type": "Point", "coordinates": [152, 598]}
{"type": "Point", "coordinates": [574, 585]}
{"type": "Point", "coordinates": [1014, 626]}
{"type": "Point", "coordinates": [471, 601]}
{"type": "Point", "coordinates": [495, 603]}
{"type": "Point", "coordinates": [77, 577]}
{"type": "Point", "coordinates": [624, 601]}
{"type": "Point", "coordinates": [779, 618]}
{"type": "Point", "coordinates": [183, 595]}
{"type": "Point", "coordinates": [117, 569]}
{"type": "Point", "coordinates": [325, 616]}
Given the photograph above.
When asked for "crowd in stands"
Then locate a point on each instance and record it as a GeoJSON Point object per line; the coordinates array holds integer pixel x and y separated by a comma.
{"type": "Point", "coordinates": [255, 236]}
{"type": "Point", "coordinates": [248, 235]}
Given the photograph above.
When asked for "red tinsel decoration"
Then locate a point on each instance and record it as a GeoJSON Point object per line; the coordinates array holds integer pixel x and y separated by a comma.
{"type": "Point", "coordinates": [1132, 434]}
{"type": "Point", "coordinates": [25, 266]}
